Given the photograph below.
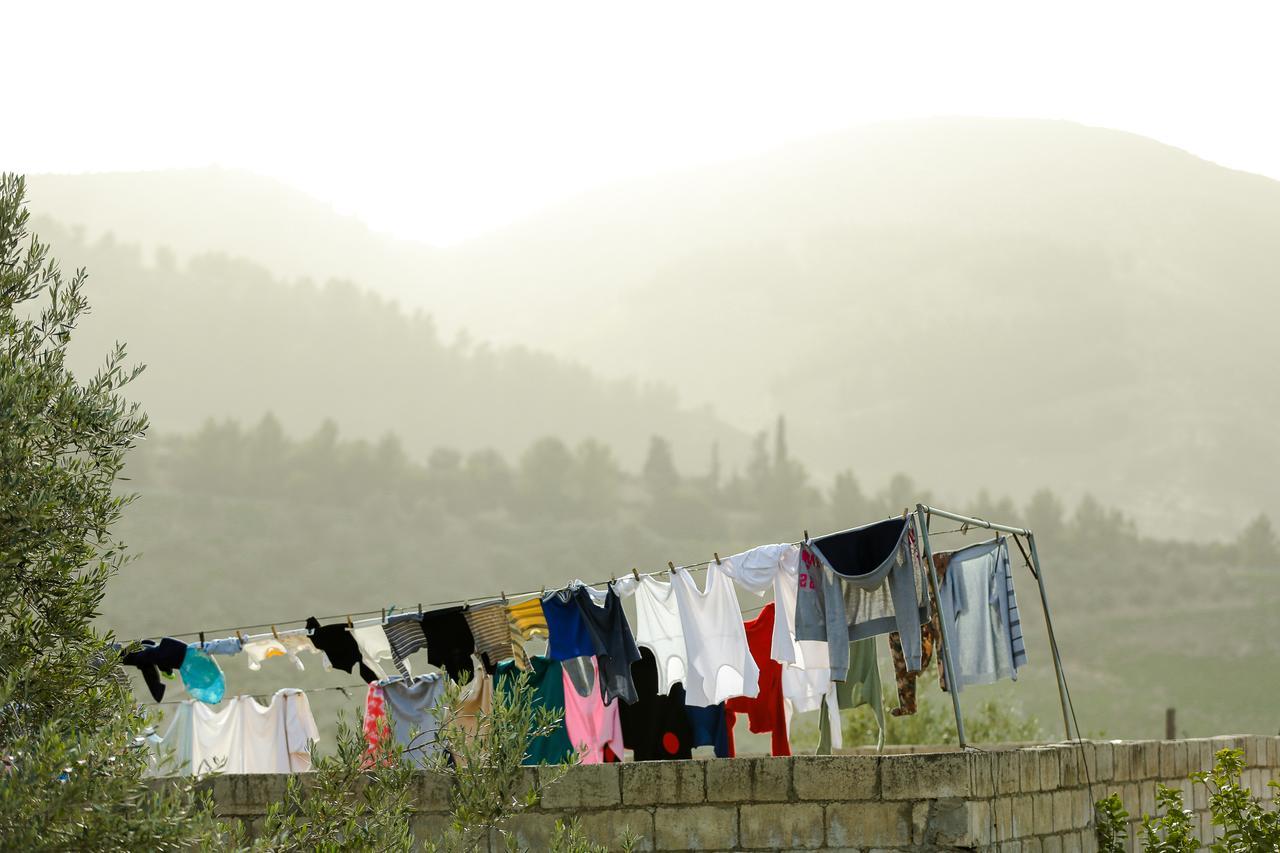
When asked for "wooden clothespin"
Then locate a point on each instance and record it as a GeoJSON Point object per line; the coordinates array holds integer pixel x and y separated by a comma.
{"type": "Point", "coordinates": [504, 596]}
{"type": "Point", "coordinates": [635, 574]}
{"type": "Point", "coordinates": [671, 567]}
{"type": "Point", "coordinates": [274, 632]}
{"type": "Point", "coordinates": [240, 636]}
{"type": "Point", "coordinates": [544, 591]}
{"type": "Point", "coordinates": [904, 512]}
{"type": "Point", "coordinates": [717, 556]}
{"type": "Point", "coordinates": [419, 608]}
{"type": "Point", "coordinates": [349, 625]}
{"type": "Point", "coordinates": [806, 536]}
{"type": "Point", "coordinates": [384, 616]}
{"type": "Point", "coordinates": [202, 639]}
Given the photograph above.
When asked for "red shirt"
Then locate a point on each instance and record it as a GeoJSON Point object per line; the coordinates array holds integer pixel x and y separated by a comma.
{"type": "Point", "coordinates": [765, 712]}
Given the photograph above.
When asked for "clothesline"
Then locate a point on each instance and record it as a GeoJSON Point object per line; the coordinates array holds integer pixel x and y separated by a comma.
{"type": "Point", "coordinates": [364, 618]}
{"type": "Point", "coordinates": [345, 688]}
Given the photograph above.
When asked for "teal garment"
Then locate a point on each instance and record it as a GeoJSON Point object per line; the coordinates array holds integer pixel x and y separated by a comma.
{"type": "Point", "coordinates": [862, 687]}
{"type": "Point", "coordinates": [546, 678]}
{"type": "Point", "coordinates": [202, 677]}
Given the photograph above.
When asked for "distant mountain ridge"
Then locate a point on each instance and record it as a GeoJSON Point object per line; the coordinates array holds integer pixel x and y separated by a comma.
{"type": "Point", "coordinates": [977, 302]}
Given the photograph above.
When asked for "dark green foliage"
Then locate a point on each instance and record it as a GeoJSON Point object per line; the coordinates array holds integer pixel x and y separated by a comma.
{"type": "Point", "coordinates": [1111, 825]}
{"type": "Point", "coordinates": [73, 772]}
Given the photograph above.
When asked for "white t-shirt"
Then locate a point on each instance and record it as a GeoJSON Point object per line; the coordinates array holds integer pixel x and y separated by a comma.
{"type": "Point", "coordinates": [658, 627]}
{"type": "Point", "coordinates": [719, 660]}
{"type": "Point", "coordinates": [806, 670]}
{"type": "Point", "coordinates": [372, 641]}
{"type": "Point", "coordinates": [243, 736]}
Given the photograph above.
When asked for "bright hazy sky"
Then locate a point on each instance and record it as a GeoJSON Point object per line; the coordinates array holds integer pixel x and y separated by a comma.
{"type": "Point", "coordinates": [438, 122]}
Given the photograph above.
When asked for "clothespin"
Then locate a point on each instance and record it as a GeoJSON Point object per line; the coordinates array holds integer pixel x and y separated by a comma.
{"type": "Point", "coordinates": [240, 636]}
{"type": "Point", "coordinates": [419, 608]}
{"type": "Point", "coordinates": [904, 512]}
{"type": "Point", "coordinates": [544, 591]}
{"type": "Point", "coordinates": [349, 625]}
{"type": "Point", "coordinates": [384, 616]}
{"type": "Point", "coordinates": [274, 632]}
{"type": "Point", "coordinates": [613, 579]}
{"type": "Point", "coordinates": [635, 574]}
{"type": "Point", "coordinates": [202, 639]}
{"type": "Point", "coordinates": [504, 596]}
{"type": "Point", "coordinates": [717, 556]}
{"type": "Point", "coordinates": [806, 536]}
{"type": "Point", "coordinates": [671, 567]}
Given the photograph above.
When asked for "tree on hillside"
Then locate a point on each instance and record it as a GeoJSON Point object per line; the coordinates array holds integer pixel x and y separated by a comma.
{"type": "Point", "coordinates": [72, 775]}
{"type": "Point", "coordinates": [1257, 545]}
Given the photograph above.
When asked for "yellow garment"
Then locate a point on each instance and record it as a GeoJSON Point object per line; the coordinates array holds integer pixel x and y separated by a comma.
{"type": "Point", "coordinates": [528, 618]}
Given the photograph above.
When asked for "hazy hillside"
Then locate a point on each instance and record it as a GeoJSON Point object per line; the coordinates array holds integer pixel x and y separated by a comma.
{"type": "Point", "coordinates": [222, 338]}
{"type": "Point", "coordinates": [980, 302]}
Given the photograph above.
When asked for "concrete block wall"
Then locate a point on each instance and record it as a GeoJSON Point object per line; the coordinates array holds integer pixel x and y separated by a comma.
{"type": "Point", "coordinates": [1032, 798]}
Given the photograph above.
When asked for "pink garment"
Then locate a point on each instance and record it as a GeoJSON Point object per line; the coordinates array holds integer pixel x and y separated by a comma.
{"type": "Point", "coordinates": [375, 723]}
{"type": "Point", "coordinates": [593, 726]}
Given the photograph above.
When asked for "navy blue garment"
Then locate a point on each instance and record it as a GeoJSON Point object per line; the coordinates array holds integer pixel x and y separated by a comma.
{"type": "Point", "coordinates": [151, 656]}
{"type": "Point", "coordinates": [569, 637]}
{"type": "Point", "coordinates": [707, 728]}
{"type": "Point", "coordinates": [615, 647]}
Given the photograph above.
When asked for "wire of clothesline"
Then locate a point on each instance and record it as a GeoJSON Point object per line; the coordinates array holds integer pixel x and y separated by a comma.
{"type": "Point", "coordinates": [366, 616]}
{"type": "Point", "coordinates": [344, 688]}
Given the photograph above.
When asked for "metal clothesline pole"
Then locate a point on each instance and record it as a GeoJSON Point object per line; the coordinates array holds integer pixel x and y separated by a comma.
{"type": "Point", "coordinates": [1053, 643]}
{"type": "Point", "coordinates": [923, 520]}
{"type": "Point", "coordinates": [1044, 604]}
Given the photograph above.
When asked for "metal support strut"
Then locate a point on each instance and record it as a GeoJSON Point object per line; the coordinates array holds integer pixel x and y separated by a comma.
{"type": "Point", "coordinates": [922, 517]}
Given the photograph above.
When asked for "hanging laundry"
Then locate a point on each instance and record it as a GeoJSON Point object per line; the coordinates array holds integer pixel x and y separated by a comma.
{"type": "Point", "coordinates": [375, 648]}
{"type": "Point", "coordinates": [267, 648]}
{"type": "Point", "coordinates": [656, 726]}
{"type": "Point", "coordinates": [528, 619]}
{"type": "Point", "coordinates": [1009, 607]}
{"type": "Point", "coordinates": [862, 687]}
{"type": "Point", "coordinates": [546, 679]}
{"type": "Point", "coordinates": [412, 705]}
{"type": "Point", "coordinates": [376, 726]}
{"type": "Point", "coordinates": [819, 612]}
{"type": "Point", "coordinates": [720, 662]}
{"type": "Point", "coordinates": [243, 736]}
{"type": "Point", "coordinates": [474, 702]}
{"type": "Point", "coordinates": [569, 637]}
{"type": "Point", "coordinates": [974, 601]}
{"type": "Point", "coordinates": [765, 711]}
{"type": "Point", "coordinates": [930, 637]}
{"type": "Point", "coordinates": [153, 657]}
{"type": "Point", "coordinates": [491, 630]}
{"type": "Point", "coordinates": [882, 574]}
{"type": "Point", "coordinates": [339, 647]}
{"type": "Point", "coordinates": [594, 728]}
{"type": "Point", "coordinates": [450, 643]}
{"type": "Point", "coordinates": [223, 646]}
{"type": "Point", "coordinates": [658, 628]}
{"type": "Point", "coordinates": [707, 727]}
{"type": "Point", "coordinates": [806, 671]}
{"type": "Point", "coordinates": [202, 676]}
{"type": "Point", "coordinates": [405, 636]}
{"type": "Point", "coordinates": [613, 643]}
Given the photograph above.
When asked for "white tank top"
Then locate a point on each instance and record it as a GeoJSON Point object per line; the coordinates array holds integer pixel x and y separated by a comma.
{"type": "Point", "coordinates": [658, 627]}
{"type": "Point", "coordinates": [719, 660]}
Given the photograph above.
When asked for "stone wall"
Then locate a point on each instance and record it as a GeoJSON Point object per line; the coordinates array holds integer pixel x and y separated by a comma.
{"type": "Point", "coordinates": [1036, 798]}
